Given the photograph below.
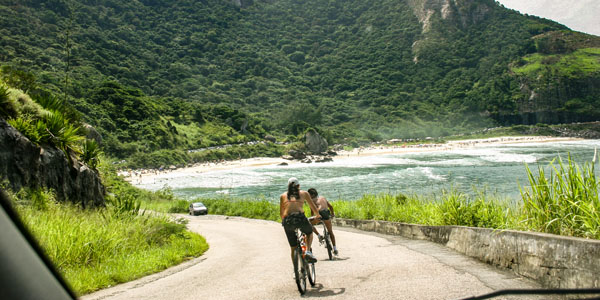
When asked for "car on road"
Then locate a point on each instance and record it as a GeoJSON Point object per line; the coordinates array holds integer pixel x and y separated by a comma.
{"type": "Point", "coordinates": [198, 208]}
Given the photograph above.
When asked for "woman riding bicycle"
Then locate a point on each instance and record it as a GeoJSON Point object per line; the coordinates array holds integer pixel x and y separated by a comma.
{"type": "Point", "coordinates": [292, 216]}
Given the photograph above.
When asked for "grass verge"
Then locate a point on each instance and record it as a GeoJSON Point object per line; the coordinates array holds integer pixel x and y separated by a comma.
{"type": "Point", "coordinates": [94, 249]}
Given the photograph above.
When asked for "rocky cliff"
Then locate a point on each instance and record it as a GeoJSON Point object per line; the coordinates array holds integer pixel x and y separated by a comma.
{"type": "Point", "coordinates": [561, 84]}
{"type": "Point", "coordinates": [437, 16]}
{"type": "Point", "coordinates": [463, 12]}
{"type": "Point", "coordinates": [24, 165]}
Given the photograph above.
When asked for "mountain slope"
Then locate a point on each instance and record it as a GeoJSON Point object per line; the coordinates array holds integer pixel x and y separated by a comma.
{"type": "Point", "coordinates": [378, 68]}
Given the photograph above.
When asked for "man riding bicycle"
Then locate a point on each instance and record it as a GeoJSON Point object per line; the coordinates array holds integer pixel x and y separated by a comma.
{"type": "Point", "coordinates": [292, 216]}
{"type": "Point", "coordinates": [326, 212]}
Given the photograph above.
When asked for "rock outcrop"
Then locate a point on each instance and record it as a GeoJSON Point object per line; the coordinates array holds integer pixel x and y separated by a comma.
{"type": "Point", "coordinates": [92, 134]}
{"type": "Point", "coordinates": [315, 143]}
{"type": "Point", "coordinates": [25, 165]}
{"type": "Point", "coordinates": [463, 12]}
{"type": "Point", "coordinates": [452, 13]}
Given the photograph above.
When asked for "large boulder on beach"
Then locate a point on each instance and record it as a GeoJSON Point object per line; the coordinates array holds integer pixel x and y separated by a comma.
{"type": "Point", "coordinates": [295, 154]}
{"type": "Point", "coordinates": [315, 143]}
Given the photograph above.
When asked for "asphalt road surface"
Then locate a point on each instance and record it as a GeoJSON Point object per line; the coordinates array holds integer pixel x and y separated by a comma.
{"type": "Point", "coordinates": [250, 259]}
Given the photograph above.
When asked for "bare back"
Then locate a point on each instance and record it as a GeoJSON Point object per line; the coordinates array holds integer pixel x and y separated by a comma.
{"type": "Point", "coordinates": [288, 206]}
{"type": "Point", "coordinates": [321, 203]}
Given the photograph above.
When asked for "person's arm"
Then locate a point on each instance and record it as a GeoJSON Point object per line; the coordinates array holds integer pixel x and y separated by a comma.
{"type": "Point", "coordinates": [281, 207]}
{"type": "Point", "coordinates": [330, 208]}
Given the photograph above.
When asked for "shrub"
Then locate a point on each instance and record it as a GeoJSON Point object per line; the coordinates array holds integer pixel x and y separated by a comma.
{"type": "Point", "coordinates": [26, 106]}
{"type": "Point", "coordinates": [27, 127]}
{"type": "Point", "coordinates": [90, 153]}
{"type": "Point", "coordinates": [179, 206]}
{"type": "Point", "coordinates": [124, 204]}
{"type": "Point", "coordinates": [40, 199]}
{"type": "Point", "coordinates": [459, 209]}
{"type": "Point", "coordinates": [63, 134]}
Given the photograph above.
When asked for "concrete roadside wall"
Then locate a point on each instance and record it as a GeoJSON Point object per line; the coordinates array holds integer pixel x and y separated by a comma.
{"type": "Point", "coordinates": [554, 261]}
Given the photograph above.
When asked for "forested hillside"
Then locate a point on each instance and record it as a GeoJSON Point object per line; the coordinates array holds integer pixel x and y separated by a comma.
{"type": "Point", "coordinates": [184, 74]}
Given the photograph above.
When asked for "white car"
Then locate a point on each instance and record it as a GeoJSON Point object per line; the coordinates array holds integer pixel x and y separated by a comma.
{"type": "Point", "coordinates": [198, 208]}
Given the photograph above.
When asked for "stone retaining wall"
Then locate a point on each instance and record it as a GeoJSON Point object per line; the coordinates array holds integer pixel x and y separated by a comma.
{"type": "Point", "coordinates": [554, 261]}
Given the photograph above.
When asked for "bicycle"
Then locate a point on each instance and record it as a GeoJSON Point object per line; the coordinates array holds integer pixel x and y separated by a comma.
{"type": "Point", "coordinates": [302, 268]}
{"type": "Point", "coordinates": [326, 240]}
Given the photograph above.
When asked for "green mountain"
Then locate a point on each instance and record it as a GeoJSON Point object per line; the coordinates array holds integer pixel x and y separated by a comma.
{"type": "Point", "coordinates": [198, 73]}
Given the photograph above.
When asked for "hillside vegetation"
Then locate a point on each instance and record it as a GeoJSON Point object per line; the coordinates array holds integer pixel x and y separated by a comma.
{"type": "Point", "coordinates": [152, 75]}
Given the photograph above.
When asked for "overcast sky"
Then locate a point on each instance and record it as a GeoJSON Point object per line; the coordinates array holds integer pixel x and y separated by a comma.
{"type": "Point", "coordinates": [579, 15]}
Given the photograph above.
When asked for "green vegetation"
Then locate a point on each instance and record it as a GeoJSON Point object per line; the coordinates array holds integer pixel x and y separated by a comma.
{"type": "Point", "coordinates": [256, 209]}
{"type": "Point", "coordinates": [579, 63]}
{"type": "Point", "coordinates": [98, 247]}
{"type": "Point", "coordinates": [103, 246]}
{"type": "Point", "coordinates": [565, 203]}
{"type": "Point", "coordinates": [94, 249]}
{"type": "Point", "coordinates": [44, 119]}
{"type": "Point", "coordinates": [158, 79]}
{"type": "Point", "coordinates": [453, 208]}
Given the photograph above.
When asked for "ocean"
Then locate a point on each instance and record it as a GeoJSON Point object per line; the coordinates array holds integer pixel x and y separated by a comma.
{"type": "Point", "coordinates": [497, 169]}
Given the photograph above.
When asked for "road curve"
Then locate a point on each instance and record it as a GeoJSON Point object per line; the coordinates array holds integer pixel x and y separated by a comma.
{"type": "Point", "coordinates": [250, 259]}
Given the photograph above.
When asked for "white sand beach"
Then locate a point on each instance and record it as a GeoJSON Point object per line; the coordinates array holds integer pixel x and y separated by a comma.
{"type": "Point", "coordinates": [139, 176]}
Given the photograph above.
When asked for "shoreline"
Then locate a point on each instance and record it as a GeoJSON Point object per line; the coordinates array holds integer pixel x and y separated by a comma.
{"type": "Point", "coordinates": [145, 175]}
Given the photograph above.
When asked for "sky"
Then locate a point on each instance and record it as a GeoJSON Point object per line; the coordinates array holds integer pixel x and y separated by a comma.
{"type": "Point", "coordinates": [579, 15]}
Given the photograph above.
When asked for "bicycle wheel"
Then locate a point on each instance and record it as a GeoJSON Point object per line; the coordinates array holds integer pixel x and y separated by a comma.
{"type": "Point", "coordinates": [312, 275]}
{"type": "Point", "coordinates": [328, 242]}
{"type": "Point", "coordinates": [299, 271]}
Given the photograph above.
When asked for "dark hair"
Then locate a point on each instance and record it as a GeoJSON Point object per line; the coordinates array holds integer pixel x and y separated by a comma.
{"type": "Point", "coordinates": [293, 191]}
{"type": "Point", "coordinates": [313, 192]}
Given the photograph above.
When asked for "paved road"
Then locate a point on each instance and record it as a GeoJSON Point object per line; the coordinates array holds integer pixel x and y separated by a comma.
{"type": "Point", "coordinates": [249, 259]}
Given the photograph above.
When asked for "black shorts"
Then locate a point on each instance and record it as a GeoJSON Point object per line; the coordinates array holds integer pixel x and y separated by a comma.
{"type": "Point", "coordinates": [325, 214]}
{"type": "Point", "coordinates": [293, 221]}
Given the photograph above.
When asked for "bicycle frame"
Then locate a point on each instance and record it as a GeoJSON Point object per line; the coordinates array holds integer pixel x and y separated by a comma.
{"type": "Point", "coordinates": [302, 268]}
{"type": "Point", "coordinates": [327, 240]}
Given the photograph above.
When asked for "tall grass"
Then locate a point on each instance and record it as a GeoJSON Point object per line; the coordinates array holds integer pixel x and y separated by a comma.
{"type": "Point", "coordinates": [398, 208]}
{"type": "Point", "coordinates": [454, 208]}
{"type": "Point", "coordinates": [564, 202]}
{"type": "Point", "coordinates": [256, 209]}
{"type": "Point", "coordinates": [99, 248]}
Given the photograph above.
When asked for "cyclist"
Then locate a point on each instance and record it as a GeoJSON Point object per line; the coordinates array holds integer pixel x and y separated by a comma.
{"type": "Point", "coordinates": [292, 216]}
{"type": "Point", "coordinates": [326, 212]}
